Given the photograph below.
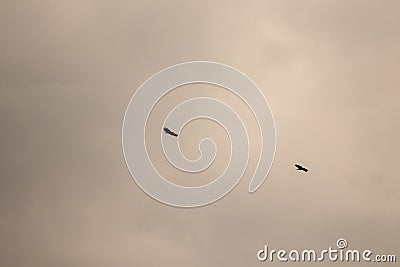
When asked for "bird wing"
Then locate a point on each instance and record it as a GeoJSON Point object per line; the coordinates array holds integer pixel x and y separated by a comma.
{"type": "Point", "coordinates": [167, 130]}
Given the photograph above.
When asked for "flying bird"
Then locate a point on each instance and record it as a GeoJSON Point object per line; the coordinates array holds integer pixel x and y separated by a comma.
{"type": "Point", "coordinates": [168, 131]}
{"type": "Point", "coordinates": [300, 168]}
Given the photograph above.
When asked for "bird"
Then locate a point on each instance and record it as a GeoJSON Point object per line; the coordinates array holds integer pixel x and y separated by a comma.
{"type": "Point", "coordinates": [168, 131]}
{"type": "Point", "coordinates": [300, 168]}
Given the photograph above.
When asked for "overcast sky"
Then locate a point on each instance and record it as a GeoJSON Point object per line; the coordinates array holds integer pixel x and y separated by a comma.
{"type": "Point", "coordinates": [68, 69]}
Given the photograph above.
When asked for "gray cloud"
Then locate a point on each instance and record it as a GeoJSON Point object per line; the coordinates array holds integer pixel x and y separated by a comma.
{"type": "Point", "coordinates": [328, 68]}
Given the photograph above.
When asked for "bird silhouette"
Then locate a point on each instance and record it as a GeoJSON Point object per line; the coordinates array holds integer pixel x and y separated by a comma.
{"type": "Point", "coordinates": [168, 131]}
{"type": "Point", "coordinates": [300, 168]}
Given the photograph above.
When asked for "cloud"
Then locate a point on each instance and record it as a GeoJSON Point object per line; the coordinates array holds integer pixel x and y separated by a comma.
{"type": "Point", "coordinates": [327, 68]}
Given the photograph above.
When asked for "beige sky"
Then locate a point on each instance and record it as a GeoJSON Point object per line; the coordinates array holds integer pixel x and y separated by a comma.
{"type": "Point", "coordinates": [329, 70]}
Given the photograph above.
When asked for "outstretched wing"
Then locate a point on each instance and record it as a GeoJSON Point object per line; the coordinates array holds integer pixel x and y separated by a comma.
{"type": "Point", "coordinates": [168, 131]}
{"type": "Point", "coordinates": [300, 168]}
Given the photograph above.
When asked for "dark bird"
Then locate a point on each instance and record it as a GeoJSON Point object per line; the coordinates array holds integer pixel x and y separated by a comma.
{"type": "Point", "coordinates": [168, 131]}
{"type": "Point", "coordinates": [300, 168]}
